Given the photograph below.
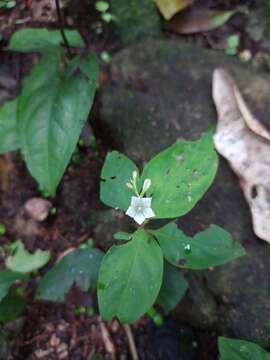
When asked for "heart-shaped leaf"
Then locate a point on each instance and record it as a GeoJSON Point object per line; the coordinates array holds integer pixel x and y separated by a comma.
{"type": "Point", "coordinates": [208, 248]}
{"type": "Point", "coordinates": [130, 278]}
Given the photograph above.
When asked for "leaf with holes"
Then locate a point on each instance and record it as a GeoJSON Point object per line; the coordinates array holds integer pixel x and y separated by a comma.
{"type": "Point", "coordinates": [80, 266]}
{"type": "Point", "coordinates": [211, 247]}
{"type": "Point", "coordinates": [174, 287]}
{"type": "Point", "coordinates": [8, 129]}
{"type": "Point", "coordinates": [7, 278]}
{"type": "Point", "coordinates": [234, 349]}
{"type": "Point", "coordinates": [22, 261]}
{"type": "Point", "coordinates": [30, 40]}
{"type": "Point", "coordinates": [52, 111]}
{"type": "Point", "coordinates": [130, 278]}
{"type": "Point", "coordinates": [116, 172]}
{"type": "Point", "coordinates": [181, 175]}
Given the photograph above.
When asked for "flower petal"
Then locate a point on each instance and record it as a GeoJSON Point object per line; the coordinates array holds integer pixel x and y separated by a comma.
{"type": "Point", "coordinates": [146, 202]}
{"type": "Point", "coordinates": [139, 218]}
{"type": "Point", "coordinates": [136, 201]}
{"type": "Point", "coordinates": [131, 211]}
{"type": "Point", "coordinates": [148, 213]}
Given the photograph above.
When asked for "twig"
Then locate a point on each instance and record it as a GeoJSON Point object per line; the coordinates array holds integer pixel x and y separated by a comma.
{"type": "Point", "coordinates": [61, 24]}
{"type": "Point", "coordinates": [131, 343]}
{"type": "Point", "coordinates": [109, 346]}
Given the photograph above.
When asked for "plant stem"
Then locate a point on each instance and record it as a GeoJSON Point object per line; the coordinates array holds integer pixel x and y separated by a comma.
{"type": "Point", "coordinates": [61, 24]}
{"type": "Point", "coordinates": [131, 342]}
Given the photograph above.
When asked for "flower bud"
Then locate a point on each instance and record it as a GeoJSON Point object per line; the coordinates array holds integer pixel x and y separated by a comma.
{"type": "Point", "coordinates": [146, 185]}
{"type": "Point", "coordinates": [134, 175]}
{"type": "Point", "coordinates": [129, 185]}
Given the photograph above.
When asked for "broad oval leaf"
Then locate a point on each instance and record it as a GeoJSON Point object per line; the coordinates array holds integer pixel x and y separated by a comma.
{"type": "Point", "coordinates": [181, 175]}
{"type": "Point", "coordinates": [116, 172]}
{"type": "Point", "coordinates": [211, 247]}
{"type": "Point", "coordinates": [80, 266]}
{"type": "Point", "coordinates": [174, 287]}
{"type": "Point", "coordinates": [8, 129]}
{"type": "Point", "coordinates": [30, 40]}
{"type": "Point", "coordinates": [234, 349]}
{"type": "Point", "coordinates": [130, 278]}
{"type": "Point", "coordinates": [7, 278]}
{"type": "Point", "coordinates": [24, 262]}
{"type": "Point", "coordinates": [52, 111]}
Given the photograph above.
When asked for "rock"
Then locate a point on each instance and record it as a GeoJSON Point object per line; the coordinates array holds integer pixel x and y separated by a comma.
{"type": "Point", "coordinates": [161, 91]}
{"type": "Point", "coordinates": [38, 208]}
{"type": "Point", "coordinates": [199, 307]}
{"type": "Point", "coordinates": [258, 25]}
{"type": "Point", "coordinates": [243, 290]}
{"type": "Point", "coordinates": [135, 19]}
{"type": "Point", "coordinates": [108, 222]}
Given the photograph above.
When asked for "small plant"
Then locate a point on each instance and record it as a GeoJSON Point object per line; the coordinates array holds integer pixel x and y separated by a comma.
{"type": "Point", "coordinates": [145, 269]}
{"type": "Point", "coordinates": [46, 120]}
{"type": "Point", "coordinates": [19, 263]}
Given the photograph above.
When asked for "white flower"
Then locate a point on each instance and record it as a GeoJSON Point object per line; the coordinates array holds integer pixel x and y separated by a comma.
{"type": "Point", "coordinates": [140, 209]}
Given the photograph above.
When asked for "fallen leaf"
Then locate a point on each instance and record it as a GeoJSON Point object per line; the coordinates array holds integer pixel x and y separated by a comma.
{"type": "Point", "coordinates": [196, 21]}
{"type": "Point", "coordinates": [245, 143]}
{"type": "Point", "coordinates": [169, 8]}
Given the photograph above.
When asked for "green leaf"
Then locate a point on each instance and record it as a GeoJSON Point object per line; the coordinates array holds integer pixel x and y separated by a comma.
{"type": "Point", "coordinates": [80, 266]}
{"type": "Point", "coordinates": [52, 111]}
{"type": "Point", "coordinates": [232, 349]}
{"type": "Point", "coordinates": [24, 262]}
{"type": "Point", "coordinates": [40, 40]}
{"type": "Point", "coordinates": [174, 287]}
{"type": "Point", "coordinates": [121, 235]}
{"type": "Point", "coordinates": [11, 307]}
{"type": "Point", "coordinates": [169, 8]}
{"type": "Point", "coordinates": [130, 278]}
{"type": "Point", "coordinates": [8, 130]}
{"type": "Point", "coordinates": [116, 172]}
{"type": "Point", "coordinates": [102, 6]}
{"type": "Point", "coordinates": [181, 175]}
{"type": "Point", "coordinates": [222, 18]}
{"type": "Point", "coordinates": [211, 247]}
{"type": "Point", "coordinates": [7, 278]}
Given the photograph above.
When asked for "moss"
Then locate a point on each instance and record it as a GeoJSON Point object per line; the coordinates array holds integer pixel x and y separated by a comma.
{"type": "Point", "coordinates": [136, 19]}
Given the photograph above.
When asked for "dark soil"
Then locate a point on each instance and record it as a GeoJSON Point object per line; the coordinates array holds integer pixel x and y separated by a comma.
{"type": "Point", "coordinates": [53, 331]}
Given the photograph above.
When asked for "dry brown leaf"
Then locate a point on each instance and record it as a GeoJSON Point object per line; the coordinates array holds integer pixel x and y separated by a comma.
{"type": "Point", "coordinates": [196, 21]}
{"type": "Point", "coordinates": [169, 8]}
{"type": "Point", "coordinates": [244, 142]}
